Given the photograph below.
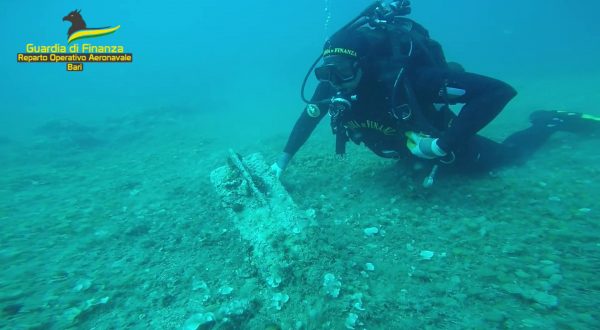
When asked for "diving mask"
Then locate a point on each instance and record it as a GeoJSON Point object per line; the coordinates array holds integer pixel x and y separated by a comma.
{"type": "Point", "coordinates": [337, 70]}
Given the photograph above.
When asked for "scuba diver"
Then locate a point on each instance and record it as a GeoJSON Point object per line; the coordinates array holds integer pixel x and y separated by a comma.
{"type": "Point", "coordinates": [386, 84]}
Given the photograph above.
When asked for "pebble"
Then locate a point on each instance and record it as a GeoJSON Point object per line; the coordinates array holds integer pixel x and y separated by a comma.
{"type": "Point", "coordinates": [371, 231]}
{"type": "Point", "coordinates": [82, 285]}
{"type": "Point", "coordinates": [426, 255]}
{"type": "Point", "coordinates": [278, 300]}
{"type": "Point", "coordinates": [545, 299]}
{"type": "Point", "coordinates": [274, 281]}
{"type": "Point", "coordinates": [225, 290]}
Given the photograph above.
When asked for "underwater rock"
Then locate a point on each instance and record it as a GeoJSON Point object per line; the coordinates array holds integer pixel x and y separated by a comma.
{"type": "Point", "coordinates": [331, 285]}
{"type": "Point", "coordinates": [371, 231]}
{"type": "Point", "coordinates": [82, 285]}
{"type": "Point", "coordinates": [351, 320]}
{"type": "Point", "coordinates": [198, 284]}
{"type": "Point", "coordinates": [545, 299]}
{"type": "Point", "coordinates": [356, 301]}
{"type": "Point", "coordinates": [225, 290]}
{"type": "Point", "coordinates": [426, 255]}
{"type": "Point", "coordinates": [233, 308]}
{"type": "Point", "coordinates": [79, 313]}
{"type": "Point", "coordinates": [199, 321]}
{"type": "Point", "coordinates": [200, 291]}
{"type": "Point", "coordinates": [274, 280]}
{"type": "Point", "coordinates": [278, 300]}
{"type": "Point", "coordinates": [512, 289]}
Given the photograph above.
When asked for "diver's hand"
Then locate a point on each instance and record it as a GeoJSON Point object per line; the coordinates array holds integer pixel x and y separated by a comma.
{"type": "Point", "coordinates": [276, 170]}
{"type": "Point", "coordinates": [279, 166]}
{"type": "Point", "coordinates": [423, 146]}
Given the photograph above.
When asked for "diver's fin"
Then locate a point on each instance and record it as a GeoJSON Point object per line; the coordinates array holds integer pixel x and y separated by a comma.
{"type": "Point", "coordinates": [565, 120]}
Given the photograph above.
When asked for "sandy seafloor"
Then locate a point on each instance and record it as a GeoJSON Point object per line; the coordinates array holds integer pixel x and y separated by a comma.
{"type": "Point", "coordinates": [115, 225]}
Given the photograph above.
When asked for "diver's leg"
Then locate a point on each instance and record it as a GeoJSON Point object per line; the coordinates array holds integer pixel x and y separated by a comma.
{"type": "Point", "coordinates": [483, 98]}
{"type": "Point", "coordinates": [481, 155]}
{"type": "Point", "coordinates": [525, 142]}
{"type": "Point", "coordinates": [544, 123]}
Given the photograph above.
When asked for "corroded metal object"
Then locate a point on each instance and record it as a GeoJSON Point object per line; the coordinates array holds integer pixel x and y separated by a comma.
{"type": "Point", "coordinates": [264, 213]}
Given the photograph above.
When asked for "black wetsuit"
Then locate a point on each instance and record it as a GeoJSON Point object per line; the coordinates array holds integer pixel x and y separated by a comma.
{"type": "Point", "coordinates": [371, 122]}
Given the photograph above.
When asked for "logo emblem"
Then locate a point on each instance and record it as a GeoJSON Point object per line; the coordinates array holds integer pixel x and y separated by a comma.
{"type": "Point", "coordinates": [79, 29]}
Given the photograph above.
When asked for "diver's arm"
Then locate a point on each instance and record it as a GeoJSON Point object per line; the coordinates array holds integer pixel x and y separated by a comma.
{"type": "Point", "coordinates": [302, 130]}
{"type": "Point", "coordinates": [305, 125]}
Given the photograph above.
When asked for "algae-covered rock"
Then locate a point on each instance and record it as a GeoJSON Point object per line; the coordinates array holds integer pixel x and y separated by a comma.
{"type": "Point", "coordinates": [199, 321]}
{"type": "Point", "coordinates": [278, 300]}
{"type": "Point", "coordinates": [78, 313]}
{"type": "Point", "coordinates": [331, 286]}
{"type": "Point", "coordinates": [545, 299]}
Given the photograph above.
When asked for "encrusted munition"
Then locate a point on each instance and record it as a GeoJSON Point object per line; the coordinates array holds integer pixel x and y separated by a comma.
{"type": "Point", "coordinates": [264, 213]}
